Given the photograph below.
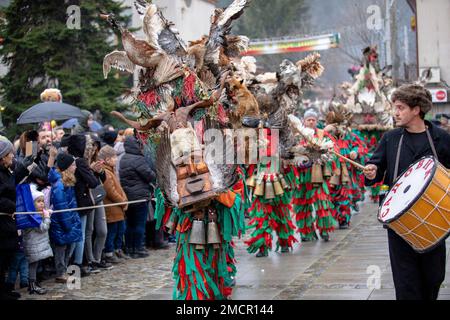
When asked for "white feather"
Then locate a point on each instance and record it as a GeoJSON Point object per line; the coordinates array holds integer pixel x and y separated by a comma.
{"type": "Point", "coordinates": [232, 9]}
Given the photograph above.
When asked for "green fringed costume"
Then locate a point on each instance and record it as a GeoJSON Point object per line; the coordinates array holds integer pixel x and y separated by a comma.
{"type": "Point", "coordinates": [200, 273]}
{"type": "Point", "coordinates": [268, 215]}
{"type": "Point", "coordinates": [312, 195]}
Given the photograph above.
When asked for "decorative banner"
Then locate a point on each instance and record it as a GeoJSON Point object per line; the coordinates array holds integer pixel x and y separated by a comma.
{"type": "Point", "coordinates": [323, 42]}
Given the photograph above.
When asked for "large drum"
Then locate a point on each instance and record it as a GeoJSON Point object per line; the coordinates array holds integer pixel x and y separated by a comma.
{"type": "Point", "coordinates": [417, 207]}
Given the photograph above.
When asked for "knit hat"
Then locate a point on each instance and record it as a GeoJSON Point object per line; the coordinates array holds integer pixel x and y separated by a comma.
{"type": "Point", "coordinates": [106, 152]}
{"type": "Point", "coordinates": [310, 113]}
{"type": "Point", "coordinates": [414, 95]}
{"type": "Point", "coordinates": [109, 137]}
{"type": "Point", "coordinates": [64, 161]}
{"type": "Point", "coordinates": [5, 147]}
{"type": "Point", "coordinates": [36, 194]}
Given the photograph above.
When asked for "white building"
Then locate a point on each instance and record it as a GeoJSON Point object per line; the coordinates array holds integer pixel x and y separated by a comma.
{"type": "Point", "coordinates": [433, 27]}
{"type": "Point", "coordinates": [191, 17]}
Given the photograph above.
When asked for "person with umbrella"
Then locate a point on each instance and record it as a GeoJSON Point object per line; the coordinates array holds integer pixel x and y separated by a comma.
{"type": "Point", "coordinates": [51, 108]}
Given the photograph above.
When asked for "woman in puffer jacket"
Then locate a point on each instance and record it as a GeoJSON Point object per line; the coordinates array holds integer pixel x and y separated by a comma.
{"type": "Point", "coordinates": [65, 228]}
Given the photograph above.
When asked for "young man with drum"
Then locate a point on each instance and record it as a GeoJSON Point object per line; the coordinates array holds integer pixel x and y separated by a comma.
{"type": "Point", "coordinates": [417, 276]}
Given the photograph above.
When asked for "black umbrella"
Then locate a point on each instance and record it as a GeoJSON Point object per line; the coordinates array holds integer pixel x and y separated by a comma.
{"type": "Point", "coordinates": [48, 111]}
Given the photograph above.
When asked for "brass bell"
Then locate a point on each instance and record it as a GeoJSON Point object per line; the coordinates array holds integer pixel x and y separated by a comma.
{"type": "Point", "coordinates": [213, 230]}
{"type": "Point", "coordinates": [345, 174]}
{"type": "Point", "coordinates": [251, 181]}
{"type": "Point", "coordinates": [316, 173]}
{"type": "Point", "coordinates": [269, 191]}
{"type": "Point", "coordinates": [213, 234]}
{"type": "Point", "coordinates": [259, 189]}
{"type": "Point", "coordinates": [197, 235]}
{"type": "Point", "coordinates": [335, 180]}
{"type": "Point", "coordinates": [284, 184]}
{"type": "Point", "coordinates": [277, 186]}
{"type": "Point", "coordinates": [327, 171]}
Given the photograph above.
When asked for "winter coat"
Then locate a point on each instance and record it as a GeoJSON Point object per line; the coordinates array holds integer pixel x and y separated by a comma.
{"type": "Point", "coordinates": [41, 171]}
{"type": "Point", "coordinates": [385, 155]}
{"type": "Point", "coordinates": [86, 178]}
{"type": "Point", "coordinates": [114, 194]}
{"type": "Point", "coordinates": [135, 172]}
{"type": "Point", "coordinates": [36, 242]}
{"type": "Point", "coordinates": [8, 181]}
{"type": "Point", "coordinates": [8, 231]}
{"type": "Point", "coordinates": [65, 226]}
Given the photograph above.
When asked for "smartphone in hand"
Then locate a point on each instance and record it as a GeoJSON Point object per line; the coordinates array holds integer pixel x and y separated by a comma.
{"type": "Point", "coordinates": [31, 149]}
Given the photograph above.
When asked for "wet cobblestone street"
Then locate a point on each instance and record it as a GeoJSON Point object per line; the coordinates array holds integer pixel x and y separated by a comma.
{"type": "Point", "coordinates": [317, 270]}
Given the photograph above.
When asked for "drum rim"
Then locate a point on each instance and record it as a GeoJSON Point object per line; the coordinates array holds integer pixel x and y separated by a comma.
{"type": "Point", "coordinates": [415, 199]}
{"type": "Point", "coordinates": [434, 246]}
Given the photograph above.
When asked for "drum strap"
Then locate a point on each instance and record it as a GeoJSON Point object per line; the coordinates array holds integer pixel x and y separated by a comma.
{"type": "Point", "coordinates": [397, 159]}
{"type": "Point", "coordinates": [432, 145]}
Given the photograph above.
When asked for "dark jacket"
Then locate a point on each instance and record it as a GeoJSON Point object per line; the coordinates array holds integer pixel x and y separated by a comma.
{"type": "Point", "coordinates": [41, 171]}
{"type": "Point", "coordinates": [8, 231]}
{"type": "Point", "coordinates": [86, 178]}
{"type": "Point", "coordinates": [135, 172]}
{"type": "Point", "coordinates": [386, 152]}
{"type": "Point", "coordinates": [65, 227]}
{"type": "Point", "coordinates": [8, 181]}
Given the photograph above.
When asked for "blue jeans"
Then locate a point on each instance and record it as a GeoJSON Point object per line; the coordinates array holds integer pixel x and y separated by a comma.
{"type": "Point", "coordinates": [19, 264]}
{"type": "Point", "coordinates": [114, 237]}
{"type": "Point", "coordinates": [135, 231]}
{"type": "Point", "coordinates": [78, 248]}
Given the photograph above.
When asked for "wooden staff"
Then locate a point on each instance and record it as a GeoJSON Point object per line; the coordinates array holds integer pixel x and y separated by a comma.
{"type": "Point", "coordinates": [356, 164]}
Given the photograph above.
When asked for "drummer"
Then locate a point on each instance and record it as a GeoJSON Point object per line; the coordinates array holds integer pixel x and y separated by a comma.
{"type": "Point", "coordinates": [416, 276]}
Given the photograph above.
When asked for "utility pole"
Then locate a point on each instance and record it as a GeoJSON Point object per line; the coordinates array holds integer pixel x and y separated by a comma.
{"type": "Point", "coordinates": [394, 44]}
{"type": "Point", "coordinates": [392, 57]}
{"type": "Point", "coordinates": [387, 34]}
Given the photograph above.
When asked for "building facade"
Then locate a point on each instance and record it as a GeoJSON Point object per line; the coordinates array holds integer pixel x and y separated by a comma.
{"type": "Point", "coordinates": [433, 27]}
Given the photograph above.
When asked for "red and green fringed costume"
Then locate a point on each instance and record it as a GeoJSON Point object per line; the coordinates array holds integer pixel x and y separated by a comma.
{"type": "Point", "coordinates": [345, 190]}
{"type": "Point", "coordinates": [372, 138]}
{"type": "Point", "coordinates": [358, 143]}
{"type": "Point", "coordinates": [200, 273]}
{"type": "Point", "coordinates": [205, 273]}
{"type": "Point", "coordinates": [311, 197]}
{"type": "Point", "coordinates": [268, 215]}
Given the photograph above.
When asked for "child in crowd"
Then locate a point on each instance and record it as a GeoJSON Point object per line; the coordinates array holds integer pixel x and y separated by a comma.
{"type": "Point", "coordinates": [65, 228]}
{"type": "Point", "coordinates": [18, 267]}
{"type": "Point", "coordinates": [115, 216]}
{"type": "Point", "coordinates": [37, 243]}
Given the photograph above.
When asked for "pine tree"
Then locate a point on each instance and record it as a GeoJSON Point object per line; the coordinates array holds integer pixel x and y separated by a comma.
{"type": "Point", "coordinates": [41, 51]}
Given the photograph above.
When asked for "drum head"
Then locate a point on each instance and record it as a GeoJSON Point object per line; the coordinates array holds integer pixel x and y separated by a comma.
{"type": "Point", "coordinates": [407, 189]}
